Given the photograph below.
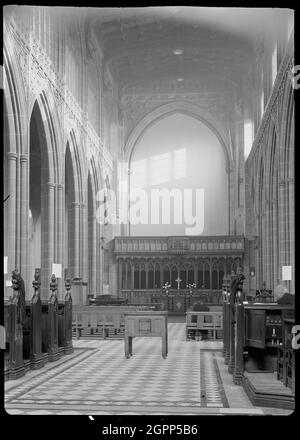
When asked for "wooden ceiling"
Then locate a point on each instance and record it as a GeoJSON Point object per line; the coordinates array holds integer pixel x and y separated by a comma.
{"type": "Point", "coordinates": [154, 44]}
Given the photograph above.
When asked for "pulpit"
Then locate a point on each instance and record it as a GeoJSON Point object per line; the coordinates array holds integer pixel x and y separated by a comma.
{"type": "Point", "coordinates": [146, 324]}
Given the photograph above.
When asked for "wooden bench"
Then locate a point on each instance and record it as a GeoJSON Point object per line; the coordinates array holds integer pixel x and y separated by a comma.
{"type": "Point", "coordinates": [258, 330]}
{"type": "Point", "coordinates": [101, 321]}
{"type": "Point", "coordinates": [197, 321]}
{"type": "Point", "coordinates": [13, 356]}
{"type": "Point", "coordinates": [41, 333]}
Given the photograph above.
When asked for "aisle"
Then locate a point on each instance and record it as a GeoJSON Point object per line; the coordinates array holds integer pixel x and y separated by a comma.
{"type": "Point", "coordinates": [98, 379]}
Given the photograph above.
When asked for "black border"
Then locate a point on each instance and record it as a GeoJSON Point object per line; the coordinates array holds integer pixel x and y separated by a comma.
{"type": "Point", "coordinates": [82, 426]}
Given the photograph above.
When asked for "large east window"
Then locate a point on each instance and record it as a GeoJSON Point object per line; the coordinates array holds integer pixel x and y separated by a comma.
{"type": "Point", "coordinates": [248, 137]}
{"type": "Point", "coordinates": [274, 64]}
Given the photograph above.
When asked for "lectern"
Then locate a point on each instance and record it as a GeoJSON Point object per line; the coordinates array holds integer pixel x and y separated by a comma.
{"type": "Point", "coordinates": [146, 324]}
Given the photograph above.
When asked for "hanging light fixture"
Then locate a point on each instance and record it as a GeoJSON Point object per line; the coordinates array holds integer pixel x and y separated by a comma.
{"type": "Point", "coordinates": [177, 51]}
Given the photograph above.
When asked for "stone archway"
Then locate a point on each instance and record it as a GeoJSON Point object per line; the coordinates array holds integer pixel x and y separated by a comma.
{"type": "Point", "coordinates": [178, 107]}
{"type": "Point", "coordinates": [192, 112]}
{"type": "Point", "coordinates": [41, 202]}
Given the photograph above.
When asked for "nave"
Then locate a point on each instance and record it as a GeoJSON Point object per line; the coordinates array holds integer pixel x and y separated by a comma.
{"type": "Point", "coordinates": [148, 173]}
{"type": "Point", "coordinates": [97, 379]}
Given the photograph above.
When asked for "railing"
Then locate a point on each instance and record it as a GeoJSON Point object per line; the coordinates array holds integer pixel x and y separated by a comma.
{"type": "Point", "coordinates": [207, 245]}
{"type": "Point", "coordinates": [152, 295]}
{"type": "Point", "coordinates": [177, 302]}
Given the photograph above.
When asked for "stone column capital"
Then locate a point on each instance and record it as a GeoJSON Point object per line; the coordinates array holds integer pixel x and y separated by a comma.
{"type": "Point", "coordinates": [24, 158]}
{"type": "Point", "coordinates": [11, 155]}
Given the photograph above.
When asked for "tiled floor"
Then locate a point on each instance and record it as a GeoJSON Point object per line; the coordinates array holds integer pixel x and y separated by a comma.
{"type": "Point", "coordinates": [98, 379]}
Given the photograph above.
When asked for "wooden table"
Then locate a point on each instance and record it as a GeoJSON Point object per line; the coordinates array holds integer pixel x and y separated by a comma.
{"type": "Point", "coordinates": [146, 324]}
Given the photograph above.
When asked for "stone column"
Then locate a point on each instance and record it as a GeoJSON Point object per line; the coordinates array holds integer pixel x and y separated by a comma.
{"type": "Point", "coordinates": [24, 211]}
{"type": "Point", "coordinates": [291, 217]}
{"type": "Point", "coordinates": [10, 212]}
{"type": "Point", "coordinates": [47, 238]}
{"type": "Point", "coordinates": [83, 251]}
{"type": "Point", "coordinates": [99, 260]}
{"type": "Point", "coordinates": [74, 254]}
{"type": "Point", "coordinates": [74, 230]}
{"type": "Point", "coordinates": [113, 276]}
{"type": "Point", "coordinates": [93, 256]}
{"type": "Point", "coordinates": [60, 221]}
{"type": "Point", "coordinates": [230, 215]}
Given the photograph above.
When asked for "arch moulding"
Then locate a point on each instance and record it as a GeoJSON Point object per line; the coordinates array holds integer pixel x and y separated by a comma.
{"type": "Point", "coordinates": [188, 109]}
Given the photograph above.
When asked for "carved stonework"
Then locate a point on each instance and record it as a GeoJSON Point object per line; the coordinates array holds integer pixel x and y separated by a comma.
{"type": "Point", "coordinates": [39, 74]}
{"type": "Point", "coordinates": [136, 106]}
{"type": "Point", "coordinates": [274, 106]}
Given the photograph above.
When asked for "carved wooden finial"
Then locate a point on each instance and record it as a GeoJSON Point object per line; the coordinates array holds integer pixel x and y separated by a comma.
{"type": "Point", "coordinates": [15, 278]}
{"type": "Point", "coordinates": [53, 283]}
{"type": "Point", "coordinates": [36, 283]}
{"type": "Point", "coordinates": [68, 285]}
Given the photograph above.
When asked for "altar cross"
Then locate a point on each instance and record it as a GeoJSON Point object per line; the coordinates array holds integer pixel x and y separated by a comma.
{"type": "Point", "coordinates": [178, 281]}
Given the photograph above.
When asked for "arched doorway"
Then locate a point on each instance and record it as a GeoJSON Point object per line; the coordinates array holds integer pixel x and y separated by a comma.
{"type": "Point", "coordinates": [92, 240]}
{"type": "Point", "coordinates": [71, 262]}
{"type": "Point", "coordinates": [7, 196]}
{"type": "Point", "coordinates": [41, 203]}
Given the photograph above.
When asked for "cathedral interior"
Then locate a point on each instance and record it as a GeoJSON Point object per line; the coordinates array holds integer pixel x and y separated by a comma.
{"type": "Point", "coordinates": [148, 187]}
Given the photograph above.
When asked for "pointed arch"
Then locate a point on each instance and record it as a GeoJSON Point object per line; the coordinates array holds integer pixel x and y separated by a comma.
{"type": "Point", "coordinates": [74, 164]}
{"type": "Point", "coordinates": [188, 109]}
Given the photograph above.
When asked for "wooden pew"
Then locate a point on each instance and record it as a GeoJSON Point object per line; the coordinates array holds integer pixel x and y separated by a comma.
{"type": "Point", "coordinates": [32, 329]}
{"type": "Point", "coordinates": [37, 356]}
{"type": "Point", "coordinates": [14, 336]}
{"type": "Point", "coordinates": [172, 300]}
{"type": "Point", "coordinates": [226, 322]}
{"type": "Point", "coordinates": [263, 333]}
{"type": "Point", "coordinates": [50, 323]}
{"type": "Point", "coordinates": [197, 321]}
{"type": "Point", "coordinates": [65, 321]}
{"type": "Point", "coordinates": [14, 312]}
{"type": "Point", "coordinates": [259, 337]}
{"type": "Point", "coordinates": [286, 355]}
{"type": "Point", "coordinates": [102, 321]}
{"type": "Point", "coordinates": [7, 348]}
{"type": "Point", "coordinates": [239, 343]}
{"type": "Point", "coordinates": [36, 331]}
{"type": "Point", "coordinates": [236, 296]}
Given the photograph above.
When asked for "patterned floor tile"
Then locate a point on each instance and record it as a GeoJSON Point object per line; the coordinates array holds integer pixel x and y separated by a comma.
{"type": "Point", "coordinates": [102, 377]}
